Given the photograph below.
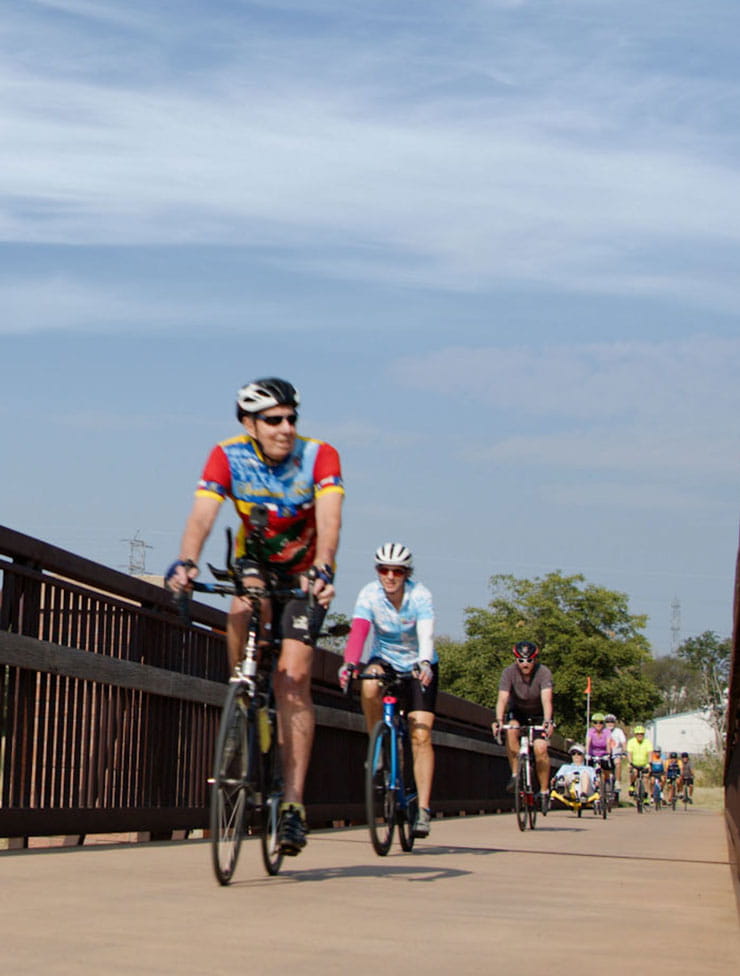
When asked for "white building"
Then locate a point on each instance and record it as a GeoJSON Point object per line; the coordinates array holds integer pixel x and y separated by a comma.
{"type": "Point", "coordinates": [683, 732]}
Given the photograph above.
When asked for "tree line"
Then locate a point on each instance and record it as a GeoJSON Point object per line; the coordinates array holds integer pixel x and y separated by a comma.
{"type": "Point", "coordinates": [584, 631]}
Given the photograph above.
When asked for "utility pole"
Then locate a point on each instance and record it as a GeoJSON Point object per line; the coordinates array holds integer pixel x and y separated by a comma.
{"type": "Point", "coordinates": [675, 624]}
{"type": "Point", "coordinates": [136, 555]}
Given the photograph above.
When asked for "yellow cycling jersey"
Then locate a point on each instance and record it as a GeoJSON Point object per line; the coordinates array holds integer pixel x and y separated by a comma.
{"type": "Point", "coordinates": [639, 752]}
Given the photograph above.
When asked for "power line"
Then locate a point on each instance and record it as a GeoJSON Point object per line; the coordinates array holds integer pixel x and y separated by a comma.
{"type": "Point", "coordinates": [675, 624]}
{"type": "Point", "coordinates": [136, 555]}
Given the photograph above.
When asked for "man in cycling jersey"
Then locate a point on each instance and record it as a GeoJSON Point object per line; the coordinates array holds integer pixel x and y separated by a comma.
{"type": "Point", "coordinates": [399, 609]}
{"type": "Point", "coordinates": [299, 480]}
{"type": "Point", "coordinates": [672, 775]}
{"type": "Point", "coordinates": [525, 694]}
{"type": "Point", "coordinates": [638, 749]}
{"type": "Point", "coordinates": [657, 771]}
{"type": "Point", "coordinates": [687, 776]}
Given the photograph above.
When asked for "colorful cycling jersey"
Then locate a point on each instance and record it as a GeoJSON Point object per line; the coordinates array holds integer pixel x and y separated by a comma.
{"type": "Point", "coordinates": [657, 767]}
{"type": "Point", "coordinates": [597, 743]}
{"type": "Point", "coordinates": [395, 637]}
{"type": "Point", "coordinates": [639, 752]}
{"type": "Point", "coordinates": [236, 469]}
{"type": "Point", "coordinates": [673, 770]}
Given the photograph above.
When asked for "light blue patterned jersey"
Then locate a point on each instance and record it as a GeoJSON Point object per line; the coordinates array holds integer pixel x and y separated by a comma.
{"type": "Point", "coordinates": [395, 639]}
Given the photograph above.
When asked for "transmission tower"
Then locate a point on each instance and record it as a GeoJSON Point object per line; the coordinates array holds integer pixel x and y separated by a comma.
{"type": "Point", "coordinates": [675, 624]}
{"type": "Point", "coordinates": [136, 555]}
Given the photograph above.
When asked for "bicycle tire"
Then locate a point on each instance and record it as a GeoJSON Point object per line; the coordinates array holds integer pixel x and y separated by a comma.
{"type": "Point", "coordinates": [603, 795]}
{"type": "Point", "coordinates": [229, 789]}
{"type": "Point", "coordinates": [271, 789]}
{"type": "Point", "coordinates": [639, 795]}
{"type": "Point", "coordinates": [407, 815]}
{"type": "Point", "coordinates": [380, 797]}
{"type": "Point", "coordinates": [520, 797]}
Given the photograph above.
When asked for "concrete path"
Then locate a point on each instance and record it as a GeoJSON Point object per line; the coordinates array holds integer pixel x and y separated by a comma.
{"type": "Point", "coordinates": [650, 893]}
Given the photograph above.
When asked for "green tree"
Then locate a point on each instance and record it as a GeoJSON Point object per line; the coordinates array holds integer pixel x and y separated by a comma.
{"type": "Point", "coordinates": [709, 657]}
{"type": "Point", "coordinates": [677, 682]}
{"type": "Point", "coordinates": [583, 630]}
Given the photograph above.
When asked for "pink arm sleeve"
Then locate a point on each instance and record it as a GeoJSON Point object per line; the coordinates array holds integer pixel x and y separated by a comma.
{"type": "Point", "coordinates": [356, 640]}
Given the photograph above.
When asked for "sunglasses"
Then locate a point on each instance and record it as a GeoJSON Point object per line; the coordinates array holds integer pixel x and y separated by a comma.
{"type": "Point", "coordinates": [390, 571]}
{"type": "Point", "coordinates": [275, 420]}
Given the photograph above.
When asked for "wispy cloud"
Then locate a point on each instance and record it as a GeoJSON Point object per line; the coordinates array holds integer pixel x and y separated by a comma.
{"type": "Point", "coordinates": [660, 407]}
{"type": "Point", "coordinates": [460, 164]}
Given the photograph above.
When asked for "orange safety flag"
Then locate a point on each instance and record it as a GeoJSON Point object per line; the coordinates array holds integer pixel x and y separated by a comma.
{"type": "Point", "coordinates": [588, 687]}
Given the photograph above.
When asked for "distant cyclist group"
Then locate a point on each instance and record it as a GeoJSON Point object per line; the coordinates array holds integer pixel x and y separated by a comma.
{"type": "Point", "coordinates": [288, 493]}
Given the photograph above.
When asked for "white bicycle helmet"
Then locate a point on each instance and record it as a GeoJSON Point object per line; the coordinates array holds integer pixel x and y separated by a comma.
{"type": "Point", "coordinates": [394, 554]}
{"type": "Point", "coordinates": [262, 394]}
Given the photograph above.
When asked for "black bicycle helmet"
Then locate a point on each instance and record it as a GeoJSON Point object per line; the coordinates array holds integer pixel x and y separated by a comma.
{"type": "Point", "coordinates": [262, 394]}
{"type": "Point", "coordinates": [525, 651]}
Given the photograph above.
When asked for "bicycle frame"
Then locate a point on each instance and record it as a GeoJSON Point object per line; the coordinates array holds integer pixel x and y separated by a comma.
{"type": "Point", "coordinates": [390, 793]}
{"type": "Point", "coordinates": [525, 802]}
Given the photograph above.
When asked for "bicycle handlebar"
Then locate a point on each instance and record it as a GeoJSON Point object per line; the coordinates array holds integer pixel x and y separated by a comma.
{"type": "Point", "coordinates": [388, 676]}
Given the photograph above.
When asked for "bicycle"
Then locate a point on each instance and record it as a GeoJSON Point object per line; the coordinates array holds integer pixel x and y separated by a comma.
{"type": "Point", "coordinates": [525, 800]}
{"type": "Point", "coordinates": [685, 795]}
{"type": "Point", "coordinates": [640, 791]}
{"type": "Point", "coordinates": [391, 798]}
{"type": "Point", "coordinates": [569, 796]}
{"type": "Point", "coordinates": [246, 786]}
{"type": "Point", "coordinates": [604, 803]}
{"type": "Point", "coordinates": [657, 793]}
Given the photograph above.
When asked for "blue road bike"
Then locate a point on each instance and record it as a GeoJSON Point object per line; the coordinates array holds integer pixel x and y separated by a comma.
{"type": "Point", "coordinates": [391, 798]}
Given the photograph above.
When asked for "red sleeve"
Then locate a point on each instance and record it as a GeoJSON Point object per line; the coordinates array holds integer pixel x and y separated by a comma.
{"type": "Point", "coordinates": [216, 477]}
{"type": "Point", "coordinates": [327, 470]}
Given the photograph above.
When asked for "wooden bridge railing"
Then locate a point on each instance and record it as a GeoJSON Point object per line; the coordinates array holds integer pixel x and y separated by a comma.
{"type": "Point", "coordinates": [109, 709]}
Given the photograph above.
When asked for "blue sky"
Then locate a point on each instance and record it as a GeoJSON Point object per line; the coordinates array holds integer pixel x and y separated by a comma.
{"type": "Point", "coordinates": [495, 244]}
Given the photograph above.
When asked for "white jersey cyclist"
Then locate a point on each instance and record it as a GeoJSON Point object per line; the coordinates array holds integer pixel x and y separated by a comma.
{"type": "Point", "coordinates": [401, 637]}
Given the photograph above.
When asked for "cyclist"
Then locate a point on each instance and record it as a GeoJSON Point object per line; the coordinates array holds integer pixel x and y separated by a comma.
{"type": "Point", "coordinates": [673, 774]}
{"type": "Point", "coordinates": [577, 774]}
{"type": "Point", "coordinates": [299, 480]}
{"type": "Point", "coordinates": [657, 771]}
{"type": "Point", "coordinates": [525, 694]}
{"type": "Point", "coordinates": [619, 748]}
{"type": "Point", "coordinates": [399, 609]}
{"type": "Point", "coordinates": [599, 741]}
{"type": "Point", "coordinates": [638, 750]}
{"type": "Point", "coordinates": [687, 775]}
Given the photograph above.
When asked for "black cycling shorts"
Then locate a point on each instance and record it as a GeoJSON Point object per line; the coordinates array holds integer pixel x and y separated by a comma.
{"type": "Point", "coordinates": [295, 621]}
{"type": "Point", "coordinates": [523, 718]}
{"type": "Point", "coordinates": [412, 696]}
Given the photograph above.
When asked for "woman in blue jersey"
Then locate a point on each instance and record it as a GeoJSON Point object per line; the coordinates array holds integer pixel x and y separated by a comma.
{"type": "Point", "coordinates": [399, 610]}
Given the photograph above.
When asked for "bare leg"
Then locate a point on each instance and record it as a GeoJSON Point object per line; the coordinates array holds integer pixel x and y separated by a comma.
{"type": "Point", "coordinates": [420, 726]}
{"type": "Point", "coordinates": [542, 762]}
{"type": "Point", "coordinates": [295, 714]}
{"type": "Point", "coordinates": [512, 749]}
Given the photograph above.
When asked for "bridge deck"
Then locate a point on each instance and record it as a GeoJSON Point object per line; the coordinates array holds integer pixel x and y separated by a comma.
{"type": "Point", "coordinates": [653, 892]}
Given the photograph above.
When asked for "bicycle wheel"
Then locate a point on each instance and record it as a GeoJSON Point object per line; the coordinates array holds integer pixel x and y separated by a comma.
{"type": "Point", "coordinates": [603, 795]}
{"type": "Point", "coordinates": [271, 789]}
{"type": "Point", "coordinates": [380, 797]}
{"type": "Point", "coordinates": [520, 797]}
{"type": "Point", "coordinates": [639, 794]}
{"type": "Point", "coordinates": [229, 790]}
{"type": "Point", "coordinates": [406, 815]}
{"type": "Point", "coordinates": [656, 797]}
